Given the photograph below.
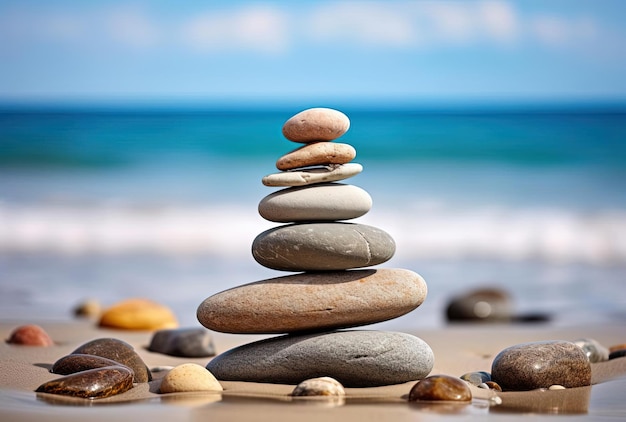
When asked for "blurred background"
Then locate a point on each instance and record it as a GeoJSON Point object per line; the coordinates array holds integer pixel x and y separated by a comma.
{"type": "Point", "coordinates": [134, 136]}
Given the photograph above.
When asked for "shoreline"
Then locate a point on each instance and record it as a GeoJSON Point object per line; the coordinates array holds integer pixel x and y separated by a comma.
{"type": "Point", "coordinates": [458, 348]}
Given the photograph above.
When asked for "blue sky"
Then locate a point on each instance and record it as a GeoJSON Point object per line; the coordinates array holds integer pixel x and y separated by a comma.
{"type": "Point", "coordinates": [305, 51]}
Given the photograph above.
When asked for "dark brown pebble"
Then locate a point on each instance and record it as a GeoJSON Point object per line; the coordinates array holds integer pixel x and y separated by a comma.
{"type": "Point", "coordinates": [617, 354]}
{"type": "Point", "coordinates": [493, 386]}
{"type": "Point", "coordinates": [120, 352]}
{"type": "Point", "coordinates": [91, 384]}
{"type": "Point", "coordinates": [30, 335]}
{"type": "Point", "coordinates": [481, 305]}
{"type": "Point", "coordinates": [440, 388]}
{"type": "Point", "coordinates": [529, 366]}
{"type": "Point", "coordinates": [76, 362]}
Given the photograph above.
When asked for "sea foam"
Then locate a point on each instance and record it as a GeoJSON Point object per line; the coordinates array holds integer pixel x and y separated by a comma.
{"type": "Point", "coordinates": [552, 235]}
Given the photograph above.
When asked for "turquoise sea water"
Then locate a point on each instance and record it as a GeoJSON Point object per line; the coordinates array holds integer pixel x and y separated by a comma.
{"type": "Point", "coordinates": [110, 203]}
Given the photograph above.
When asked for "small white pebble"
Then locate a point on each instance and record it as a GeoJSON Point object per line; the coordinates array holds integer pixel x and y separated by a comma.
{"type": "Point", "coordinates": [323, 386]}
{"type": "Point", "coordinates": [483, 385]}
{"type": "Point", "coordinates": [556, 387]}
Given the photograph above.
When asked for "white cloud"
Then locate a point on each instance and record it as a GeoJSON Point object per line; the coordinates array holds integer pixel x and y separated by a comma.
{"type": "Point", "coordinates": [256, 28]}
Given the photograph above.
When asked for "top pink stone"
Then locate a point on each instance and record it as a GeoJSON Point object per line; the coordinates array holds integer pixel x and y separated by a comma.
{"type": "Point", "coordinates": [316, 124]}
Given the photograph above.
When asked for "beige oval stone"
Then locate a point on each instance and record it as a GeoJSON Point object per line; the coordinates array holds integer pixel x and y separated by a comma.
{"type": "Point", "coordinates": [317, 154]}
{"type": "Point", "coordinates": [322, 202]}
{"type": "Point", "coordinates": [314, 301]}
{"type": "Point", "coordinates": [330, 173]}
{"type": "Point", "coordinates": [316, 124]}
{"type": "Point", "coordinates": [189, 377]}
{"type": "Point", "coordinates": [138, 314]}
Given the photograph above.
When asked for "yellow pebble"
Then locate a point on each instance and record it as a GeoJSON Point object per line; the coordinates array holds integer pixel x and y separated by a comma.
{"type": "Point", "coordinates": [138, 314]}
{"type": "Point", "coordinates": [189, 377]}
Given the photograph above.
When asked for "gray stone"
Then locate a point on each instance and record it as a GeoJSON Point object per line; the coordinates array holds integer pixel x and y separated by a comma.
{"type": "Point", "coordinates": [316, 124]}
{"type": "Point", "coordinates": [314, 301]}
{"type": "Point", "coordinates": [321, 202]}
{"type": "Point", "coordinates": [316, 154]}
{"type": "Point", "coordinates": [322, 247]}
{"type": "Point", "coordinates": [354, 358]}
{"type": "Point", "coordinates": [595, 351]}
{"type": "Point", "coordinates": [183, 342]}
{"type": "Point", "coordinates": [309, 176]}
{"type": "Point", "coordinates": [529, 366]}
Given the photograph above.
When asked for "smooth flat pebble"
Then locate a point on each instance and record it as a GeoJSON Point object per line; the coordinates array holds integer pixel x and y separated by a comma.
{"type": "Point", "coordinates": [354, 358]}
{"type": "Point", "coordinates": [30, 335]}
{"type": "Point", "coordinates": [93, 383]}
{"type": "Point", "coordinates": [529, 366]}
{"type": "Point", "coordinates": [314, 301]}
{"type": "Point", "coordinates": [322, 247]}
{"type": "Point", "coordinates": [440, 388]}
{"type": "Point", "coordinates": [77, 362]}
{"type": "Point", "coordinates": [119, 351]}
{"type": "Point", "coordinates": [316, 154]}
{"type": "Point", "coordinates": [189, 377]}
{"type": "Point", "coordinates": [309, 176]}
{"type": "Point", "coordinates": [321, 202]}
{"type": "Point", "coordinates": [138, 314]}
{"type": "Point", "coordinates": [184, 342]}
{"type": "Point", "coordinates": [316, 124]}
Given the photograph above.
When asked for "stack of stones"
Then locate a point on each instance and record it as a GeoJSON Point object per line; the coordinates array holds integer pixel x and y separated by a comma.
{"type": "Point", "coordinates": [334, 288]}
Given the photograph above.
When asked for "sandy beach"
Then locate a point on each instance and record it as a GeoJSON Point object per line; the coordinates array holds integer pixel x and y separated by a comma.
{"type": "Point", "coordinates": [458, 349]}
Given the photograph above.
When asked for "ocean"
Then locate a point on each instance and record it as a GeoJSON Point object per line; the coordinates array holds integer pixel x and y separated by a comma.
{"type": "Point", "coordinates": [161, 202]}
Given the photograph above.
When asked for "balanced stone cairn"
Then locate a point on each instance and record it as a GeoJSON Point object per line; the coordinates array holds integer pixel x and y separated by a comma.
{"type": "Point", "coordinates": [332, 290]}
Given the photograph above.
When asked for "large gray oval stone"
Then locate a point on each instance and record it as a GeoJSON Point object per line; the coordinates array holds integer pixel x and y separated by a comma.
{"type": "Point", "coordinates": [529, 366]}
{"type": "Point", "coordinates": [314, 301]}
{"type": "Point", "coordinates": [354, 358]}
{"type": "Point", "coordinates": [322, 247]}
{"type": "Point", "coordinates": [321, 202]}
{"type": "Point", "coordinates": [309, 176]}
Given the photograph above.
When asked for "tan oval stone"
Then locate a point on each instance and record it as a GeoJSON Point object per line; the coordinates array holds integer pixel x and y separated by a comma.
{"type": "Point", "coordinates": [322, 386]}
{"type": "Point", "coordinates": [314, 301]}
{"type": "Point", "coordinates": [316, 154]}
{"type": "Point", "coordinates": [138, 314]}
{"type": "Point", "coordinates": [189, 377]}
{"type": "Point", "coordinates": [316, 124]}
{"type": "Point", "coordinates": [330, 173]}
{"type": "Point", "coordinates": [321, 202]}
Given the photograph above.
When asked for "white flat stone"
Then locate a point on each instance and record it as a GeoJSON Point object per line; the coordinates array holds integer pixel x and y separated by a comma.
{"type": "Point", "coordinates": [331, 173]}
{"type": "Point", "coordinates": [321, 202]}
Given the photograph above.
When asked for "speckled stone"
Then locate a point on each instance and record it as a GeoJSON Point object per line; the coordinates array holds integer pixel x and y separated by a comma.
{"type": "Point", "coordinates": [314, 301]}
{"type": "Point", "coordinates": [183, 342]}
{"type": "Point", "coordinates": [77, 362]}
{"type": "Point", "coordinates": [323, 386]}
{"type": "Point", "coordinates": [316, 154]}
{"type": "Point", "coordinates": [440, 388]}
{"type": "Point", "coordinates": [316, 124]}
{"type": "Point", "coordinates": [189, 377]}
{"type": "Point", "coordinates": [138, 314]}
{"type": "Point", "coordinates": [476, 378]}
{"type": "Point", "coordinates": [595, 351]}
{"type": "Point", "coordinates": [322, 247]}
{"type": "Point", "coordinates": [354, 358]}
{"type": "Point", "coordinates": [310, 176]}
{"type": "Point", "coordinates": [30, 335]}
{"type": "Point", "coordinates": [93, 383]}
{"type": "Point", "coordinates": [119, 351]}
{"type": "Point", "coordinates": [320, 202]}
{"type": "Point", "coordinates": [529, 366]}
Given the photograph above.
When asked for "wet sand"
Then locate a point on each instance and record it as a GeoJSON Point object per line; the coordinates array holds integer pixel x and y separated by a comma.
{"type": "Point", "coordinates": [458, 349]}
